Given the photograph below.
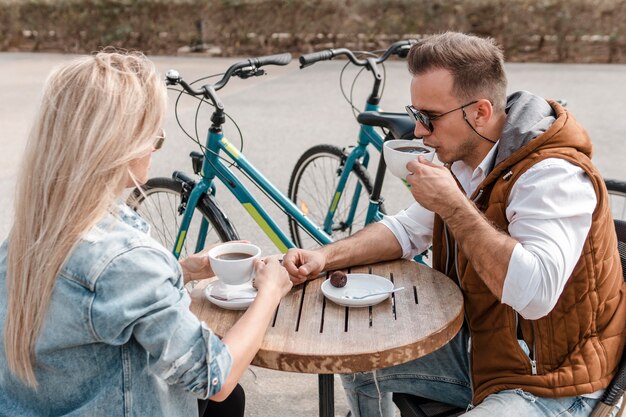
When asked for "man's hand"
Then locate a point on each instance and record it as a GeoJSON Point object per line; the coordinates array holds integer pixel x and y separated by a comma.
{"type": "Point", "coordinates": [433, 186]}
{"type": "Point", "coordinates": [303, 264]}
{"type": "Point", "coordinates": [197, 266]}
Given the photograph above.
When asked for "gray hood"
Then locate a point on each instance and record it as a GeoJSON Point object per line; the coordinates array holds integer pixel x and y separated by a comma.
{"type": "Point", "coordinates": [527, 116]}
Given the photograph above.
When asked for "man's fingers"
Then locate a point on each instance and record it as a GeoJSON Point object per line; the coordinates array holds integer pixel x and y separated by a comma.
{"type": "Point", "coordinates": [412, 166]}
{"type": "Point", "coordinates": [291, 268]}
{"type": "Point", "coordinates": [423, 160]}
{"type": "Point", "coordinates": [296, 281]}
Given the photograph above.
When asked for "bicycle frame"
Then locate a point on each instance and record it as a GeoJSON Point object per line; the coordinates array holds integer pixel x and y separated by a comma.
{"type": "Point", "coordinates": [213, 167]}
{"type": "Point", "coordinates": [367, 135]}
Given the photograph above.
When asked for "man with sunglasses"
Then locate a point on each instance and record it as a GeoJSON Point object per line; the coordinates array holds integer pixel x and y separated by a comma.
{"type": "Point", "coordinates": [518, 217]}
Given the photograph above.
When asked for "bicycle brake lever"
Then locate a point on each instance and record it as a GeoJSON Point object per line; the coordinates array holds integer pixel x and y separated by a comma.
{"type": "Point", "coordinates": [403, 51]}
{"type": "Point", "coordinates": [249, 72]}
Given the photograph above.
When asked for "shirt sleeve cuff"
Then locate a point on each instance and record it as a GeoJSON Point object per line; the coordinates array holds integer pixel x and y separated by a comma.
{"type": "Point", "coordinates": [518, 291]}
{"type": "Point", "coordinates": [401, 236]}
{"type": "Point", "coordinates": [219, 361]}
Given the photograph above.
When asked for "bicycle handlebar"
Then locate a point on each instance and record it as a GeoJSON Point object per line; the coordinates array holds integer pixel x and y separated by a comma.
{"type": "Point", "coordinates": [312, 58]}
{"type": "Point", "coordinates": [243, 69]}
{"type": "Point", "coordinates": [399, 48]}
{"type": "Point", "coordinates": [278, 59]}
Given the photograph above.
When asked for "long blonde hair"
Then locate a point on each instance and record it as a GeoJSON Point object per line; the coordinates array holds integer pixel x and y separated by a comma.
{"type": "Point", "coordinates": [98, 113]}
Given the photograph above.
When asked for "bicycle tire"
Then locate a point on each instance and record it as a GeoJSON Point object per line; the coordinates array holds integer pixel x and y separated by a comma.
{"type": "Point", "coordinates": [617, 197]}
{"type": "Point", "coordinates": [158, 201]}
{"type": "Point", "coordinates": [311, 187]}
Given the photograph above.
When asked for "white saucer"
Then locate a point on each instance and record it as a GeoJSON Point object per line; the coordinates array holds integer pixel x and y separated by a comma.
{"type": "Point", "coordinates": [358, 284]}
{"type": "Point", "coordinates": [228, 304]}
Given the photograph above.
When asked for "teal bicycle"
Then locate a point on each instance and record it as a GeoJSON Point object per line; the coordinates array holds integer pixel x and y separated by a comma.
{"type": "Point", "coordinates": [169, 204]}
{"type": "Point", "coordinates": [332, 185]}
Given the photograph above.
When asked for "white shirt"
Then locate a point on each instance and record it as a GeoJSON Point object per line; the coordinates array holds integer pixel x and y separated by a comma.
{"type": "Point", "coordinates": [549, 212]}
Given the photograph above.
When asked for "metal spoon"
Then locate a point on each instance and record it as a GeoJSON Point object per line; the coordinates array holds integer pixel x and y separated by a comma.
{"type": "Point", "coordinates": [360, 297]}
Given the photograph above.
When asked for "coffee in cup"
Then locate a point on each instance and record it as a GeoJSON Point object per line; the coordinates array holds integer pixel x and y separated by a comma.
{"type": "Point", "coordinates": [233, 256]}
{"type": "Point", "coordinates": [412, 149]}
{"type": "Point", "coordinates": [233, 263]}
{"type": "Point", "coordinates": [399, 152]}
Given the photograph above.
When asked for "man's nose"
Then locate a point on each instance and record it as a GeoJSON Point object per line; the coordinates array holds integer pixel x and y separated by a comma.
{"type": "Point", "coordinates": [420, 130]}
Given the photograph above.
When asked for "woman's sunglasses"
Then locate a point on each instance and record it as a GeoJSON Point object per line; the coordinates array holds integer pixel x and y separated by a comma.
{"type": "Point", "coordinates": [158, 142]}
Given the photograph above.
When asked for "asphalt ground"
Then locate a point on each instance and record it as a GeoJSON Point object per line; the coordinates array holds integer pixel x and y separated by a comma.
{"type": "Point", "coordinates": [280, 116]}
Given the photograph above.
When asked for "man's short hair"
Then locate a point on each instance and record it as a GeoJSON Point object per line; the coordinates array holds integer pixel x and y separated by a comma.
{"type": "Point", "coordinates": [476, 64]}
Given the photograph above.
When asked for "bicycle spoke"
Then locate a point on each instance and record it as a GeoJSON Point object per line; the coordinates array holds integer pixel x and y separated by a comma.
{"type": "Point", "coordinates": [164, 233]}
{"type": "Point", "coordinates": [172, 214]}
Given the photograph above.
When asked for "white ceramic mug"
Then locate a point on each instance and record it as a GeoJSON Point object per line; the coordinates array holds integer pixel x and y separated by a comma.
{"type": "Point", "coordinates": [396, 160]}
{"type": "Point", "coordinates": [233, 263]}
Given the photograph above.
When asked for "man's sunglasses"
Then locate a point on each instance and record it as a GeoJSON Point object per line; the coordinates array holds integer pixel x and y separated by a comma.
{"type": "Point", "coordinates": [427, 120]}
{"type": "Point", "coordinates": [158, 141]}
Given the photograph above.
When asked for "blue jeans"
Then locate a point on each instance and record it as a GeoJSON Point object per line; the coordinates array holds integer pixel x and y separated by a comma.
{"type": "Point", "coordinates": [444, 376]}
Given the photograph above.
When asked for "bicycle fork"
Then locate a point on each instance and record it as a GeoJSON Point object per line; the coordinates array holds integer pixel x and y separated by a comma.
{"type": "Point", "coordinates": [190, 195]}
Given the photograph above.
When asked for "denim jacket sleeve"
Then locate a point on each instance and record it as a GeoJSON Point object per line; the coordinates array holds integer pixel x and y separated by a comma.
{"type": "Point", "coordinates": [139, 294]}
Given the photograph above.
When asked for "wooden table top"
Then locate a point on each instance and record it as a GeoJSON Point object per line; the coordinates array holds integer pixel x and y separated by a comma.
{"type": "Point", "coordinates": [311, 334]}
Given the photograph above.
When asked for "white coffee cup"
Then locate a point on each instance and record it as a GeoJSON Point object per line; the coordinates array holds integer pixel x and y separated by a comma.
{"type": "Point", "coordinates": [396, 159]}
{"type": "Point", "coordinates": [233, 263]}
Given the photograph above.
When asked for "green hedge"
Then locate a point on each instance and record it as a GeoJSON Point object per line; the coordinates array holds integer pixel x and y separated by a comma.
{"type": "Point", "coordinates": [537, 30]}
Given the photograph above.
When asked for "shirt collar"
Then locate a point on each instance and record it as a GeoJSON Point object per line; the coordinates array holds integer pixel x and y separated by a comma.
{"type": "Point", "coordinates": [470, 179]}
{"type": "Point", "coordinates": [130, 217]}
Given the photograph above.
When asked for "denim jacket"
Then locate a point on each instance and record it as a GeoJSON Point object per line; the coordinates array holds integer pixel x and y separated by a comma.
{"type": "Point", "coordinates": [118, 338]}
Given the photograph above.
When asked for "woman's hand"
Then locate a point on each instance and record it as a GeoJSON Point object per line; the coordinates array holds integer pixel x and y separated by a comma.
{"type": "Point", "coordinates": [197, 266]}
{"type": "Point", "coordinates": [271, 278]}
{"type": "Point", "coordinates": [245, 337]}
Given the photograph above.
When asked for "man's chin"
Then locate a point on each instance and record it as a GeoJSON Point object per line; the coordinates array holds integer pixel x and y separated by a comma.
{"type": "Point", "coordinates": [440, 157]}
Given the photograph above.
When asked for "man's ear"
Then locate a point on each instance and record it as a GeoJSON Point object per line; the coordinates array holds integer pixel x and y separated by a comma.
{"type": "Point", "coordinates": [484, 112]}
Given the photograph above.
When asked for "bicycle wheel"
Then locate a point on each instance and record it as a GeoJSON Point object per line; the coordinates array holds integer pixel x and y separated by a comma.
{"type": "Point", "coordinates": [158, 204]}
{"type": "Point", "coordinates": [312, 186]}
{"type": "Point", "coordinates": [617, 198]}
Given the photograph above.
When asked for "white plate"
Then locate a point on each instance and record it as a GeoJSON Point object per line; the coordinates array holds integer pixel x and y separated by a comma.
{"type": "Point", "coordinates": [358, 284]}
{"type": "Point", "coordinates": [229, 305]}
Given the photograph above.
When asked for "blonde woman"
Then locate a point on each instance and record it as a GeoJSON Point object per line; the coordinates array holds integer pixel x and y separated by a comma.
{"type": "Point", "coordinates": [93, 315]}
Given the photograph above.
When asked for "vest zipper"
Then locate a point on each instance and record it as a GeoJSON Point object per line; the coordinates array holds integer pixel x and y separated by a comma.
{"type": "Point", "coordinates": [533, 360]}
{"type": "Point", "coordinates": [447, 267]}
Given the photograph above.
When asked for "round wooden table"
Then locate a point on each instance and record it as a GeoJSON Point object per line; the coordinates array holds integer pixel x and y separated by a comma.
{"type": "Point", "coordinates": [311, 334]}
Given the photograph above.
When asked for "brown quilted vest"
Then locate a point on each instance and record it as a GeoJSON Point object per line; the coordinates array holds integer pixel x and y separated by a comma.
{"type": "Point", "coordinates": [577, 346]}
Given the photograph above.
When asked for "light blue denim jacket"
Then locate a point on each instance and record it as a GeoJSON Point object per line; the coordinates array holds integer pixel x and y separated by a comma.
{"type": "Point", "coordinates": [118, 339]}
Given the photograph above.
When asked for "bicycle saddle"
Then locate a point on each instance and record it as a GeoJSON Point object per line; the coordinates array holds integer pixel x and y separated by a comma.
{"type": "Point", "coordinates": [400, 124]}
